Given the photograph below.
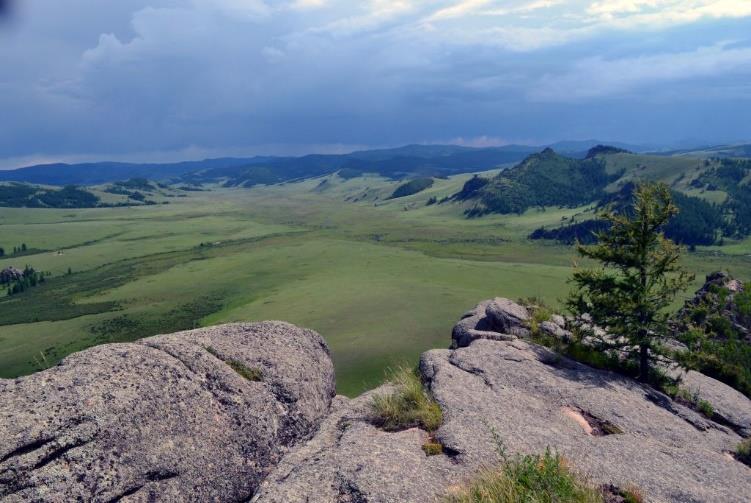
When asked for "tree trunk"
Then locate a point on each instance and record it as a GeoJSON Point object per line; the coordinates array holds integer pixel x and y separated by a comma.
{"type": "Point", "coordinates": [643, 362]}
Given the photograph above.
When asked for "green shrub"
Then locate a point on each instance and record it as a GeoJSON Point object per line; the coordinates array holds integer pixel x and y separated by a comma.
{"type": "Point", "coordinates": [743, 452]}
{"type": "Point", "coordinates": [407, 406]}
{"type": "Point", "coordinates": [743, 301]}
{"type": "Point", "coordinates": [535, 479]}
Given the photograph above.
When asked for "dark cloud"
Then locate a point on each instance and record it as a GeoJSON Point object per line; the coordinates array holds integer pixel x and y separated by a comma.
{"type": "Point", "coordinates": [135, 76]}
{"type": "Point", "coordinates": [5, 8]}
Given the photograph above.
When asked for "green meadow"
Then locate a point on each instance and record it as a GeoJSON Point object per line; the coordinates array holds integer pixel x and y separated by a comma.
{"type": "Point", "coordinates": [381, 279]}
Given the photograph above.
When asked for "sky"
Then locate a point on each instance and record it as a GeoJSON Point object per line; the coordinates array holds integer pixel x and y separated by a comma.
{"type": "Point", "coordinates": [185, 79]}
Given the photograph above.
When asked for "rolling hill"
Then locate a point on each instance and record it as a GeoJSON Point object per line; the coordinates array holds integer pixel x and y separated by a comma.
{"type": "Point", "coordinates": [713, 194]}
{"type": "Point", "coordinates": [410, 160]}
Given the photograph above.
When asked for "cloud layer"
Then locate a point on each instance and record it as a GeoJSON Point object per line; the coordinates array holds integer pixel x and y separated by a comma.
{"type": "Point", "coordinates": [135, 77]}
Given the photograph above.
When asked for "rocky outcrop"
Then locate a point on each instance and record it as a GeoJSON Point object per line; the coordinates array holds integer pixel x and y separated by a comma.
{"type": "Point", "coordinates": [496, 319]}
{"type": "Point", "coordinates": [720, 296]}
{"type": "Point", "coordinates": [10, 274]}
{"type": "Point", "coordinates": [609, 427]}
{"type": "Point", "coordinates": [245, 412]}
{"type": "Point", "coordinates": [497, 386]}
{"type": "Point", "coordinates": [352, 461]}
{"type": "Point", "coordinates": [170, 418]}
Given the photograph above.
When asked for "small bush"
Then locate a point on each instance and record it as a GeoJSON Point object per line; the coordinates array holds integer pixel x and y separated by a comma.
{"type": "Point", "coordinates": [408, 406]}
{"type": "Point", "coordinates": [544, 478]}
{"type": "Point", "coordinates": [743, 452]}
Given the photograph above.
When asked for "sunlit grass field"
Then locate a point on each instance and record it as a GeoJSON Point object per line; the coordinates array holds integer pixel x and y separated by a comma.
{"type": "Point", "coordinates": [382, 280]}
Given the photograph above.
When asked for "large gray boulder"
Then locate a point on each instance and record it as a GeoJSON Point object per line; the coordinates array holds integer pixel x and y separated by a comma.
{"type": "Point", "coordinates": [508, 317]}
{"type": "Point", "coordinates": [610, 428]}
{"type": "Point", "coordinates": [169, 418]}
{"type": "Point", "coordinates": [496, 319]}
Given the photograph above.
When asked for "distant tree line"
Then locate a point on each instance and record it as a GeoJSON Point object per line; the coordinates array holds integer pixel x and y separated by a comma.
{"type": "Point", "coordinates": [412, 187]}
{"type": "Point", "coordinates": [17, 250]}
{"type": "Point", "coordinates": [18, 195]}
{"type": "Point", "coordinates": [696, 223]}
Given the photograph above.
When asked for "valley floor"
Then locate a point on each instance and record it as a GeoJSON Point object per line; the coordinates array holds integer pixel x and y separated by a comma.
{"type": "Point", "coordinates": [382, 280]}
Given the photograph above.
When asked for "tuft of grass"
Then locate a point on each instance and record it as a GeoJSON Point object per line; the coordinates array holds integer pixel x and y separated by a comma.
{"type": "Point", "coordinates": [250, 373]}
{"type": "Point", "coordinates": [743, 452]}
{"type": "Point", "coordinates": [691, 399]}
{"type": "Point", "coordinates": [609, 428]}
{"type": "Point", "coordinates": [632, 494]}
{"type": "Point", "coordinates": [531, 478]}
{"type": "Point", "coordinates": [705, 408]}
{"type": "Point", "coordinates": [432, 448]}
{"type": "Point", "coordinates": [539, 311]}
{"type": "Point", "coordinates": [408, 406]}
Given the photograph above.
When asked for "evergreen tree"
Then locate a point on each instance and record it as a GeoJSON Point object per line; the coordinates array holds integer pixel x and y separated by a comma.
{"type": "Point", "coordinates": [638, 278]}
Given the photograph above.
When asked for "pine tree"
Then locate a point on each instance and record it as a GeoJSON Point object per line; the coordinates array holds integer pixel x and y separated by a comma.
{"type": "Point", "coordinates": [638, 277]}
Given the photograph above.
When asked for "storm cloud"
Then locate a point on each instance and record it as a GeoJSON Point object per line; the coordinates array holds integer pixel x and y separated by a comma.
{"type": "Point", "coordinates": [190, 78]}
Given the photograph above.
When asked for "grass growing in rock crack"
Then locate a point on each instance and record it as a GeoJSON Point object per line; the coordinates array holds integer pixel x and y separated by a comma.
{"type": "Point", "coordinates": [689, 398]}
{"type": "Point", "coordinates": [743, 452]}
{"type": "Point", "coordinates": [250, 373]}
{"type": "Point", "coordinates": [631, 494]}
{"type": "Point", "coordinates": [531, 478]}
{"type": "Point", "coordinates": [432, 448]}
{"type": "Point", "coordinates": [408, 405]}
{"type": "Point", "coordinates": [540, 313]}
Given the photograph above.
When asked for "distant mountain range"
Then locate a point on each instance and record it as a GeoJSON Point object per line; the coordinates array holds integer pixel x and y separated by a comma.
{"type": "Point", "coordinates": [410, 160]}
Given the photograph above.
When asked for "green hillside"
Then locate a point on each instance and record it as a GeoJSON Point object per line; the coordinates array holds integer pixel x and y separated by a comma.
{"type": "Point", "coordinates": [712, 194]}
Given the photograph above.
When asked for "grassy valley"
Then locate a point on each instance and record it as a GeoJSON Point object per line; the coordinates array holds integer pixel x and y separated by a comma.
{"type": "Point", "coordinates": [381, 277]}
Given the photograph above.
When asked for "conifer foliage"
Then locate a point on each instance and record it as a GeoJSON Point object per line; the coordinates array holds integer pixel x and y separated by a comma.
{"type": "Point", "coordinates": [638, 277]}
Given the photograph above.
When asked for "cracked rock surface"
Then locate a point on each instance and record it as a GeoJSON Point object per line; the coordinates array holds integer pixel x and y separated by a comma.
{"type": "Point", "coordinates": [533, 399]}
{"type": "Point", "coordinates": [164, 419]}
{"type": "Point", "coordinates": [351, 461]}
{"type": "Point", "coordinates": [610, 428]}
{"type": "Point", "coordinates": [171, 418]}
